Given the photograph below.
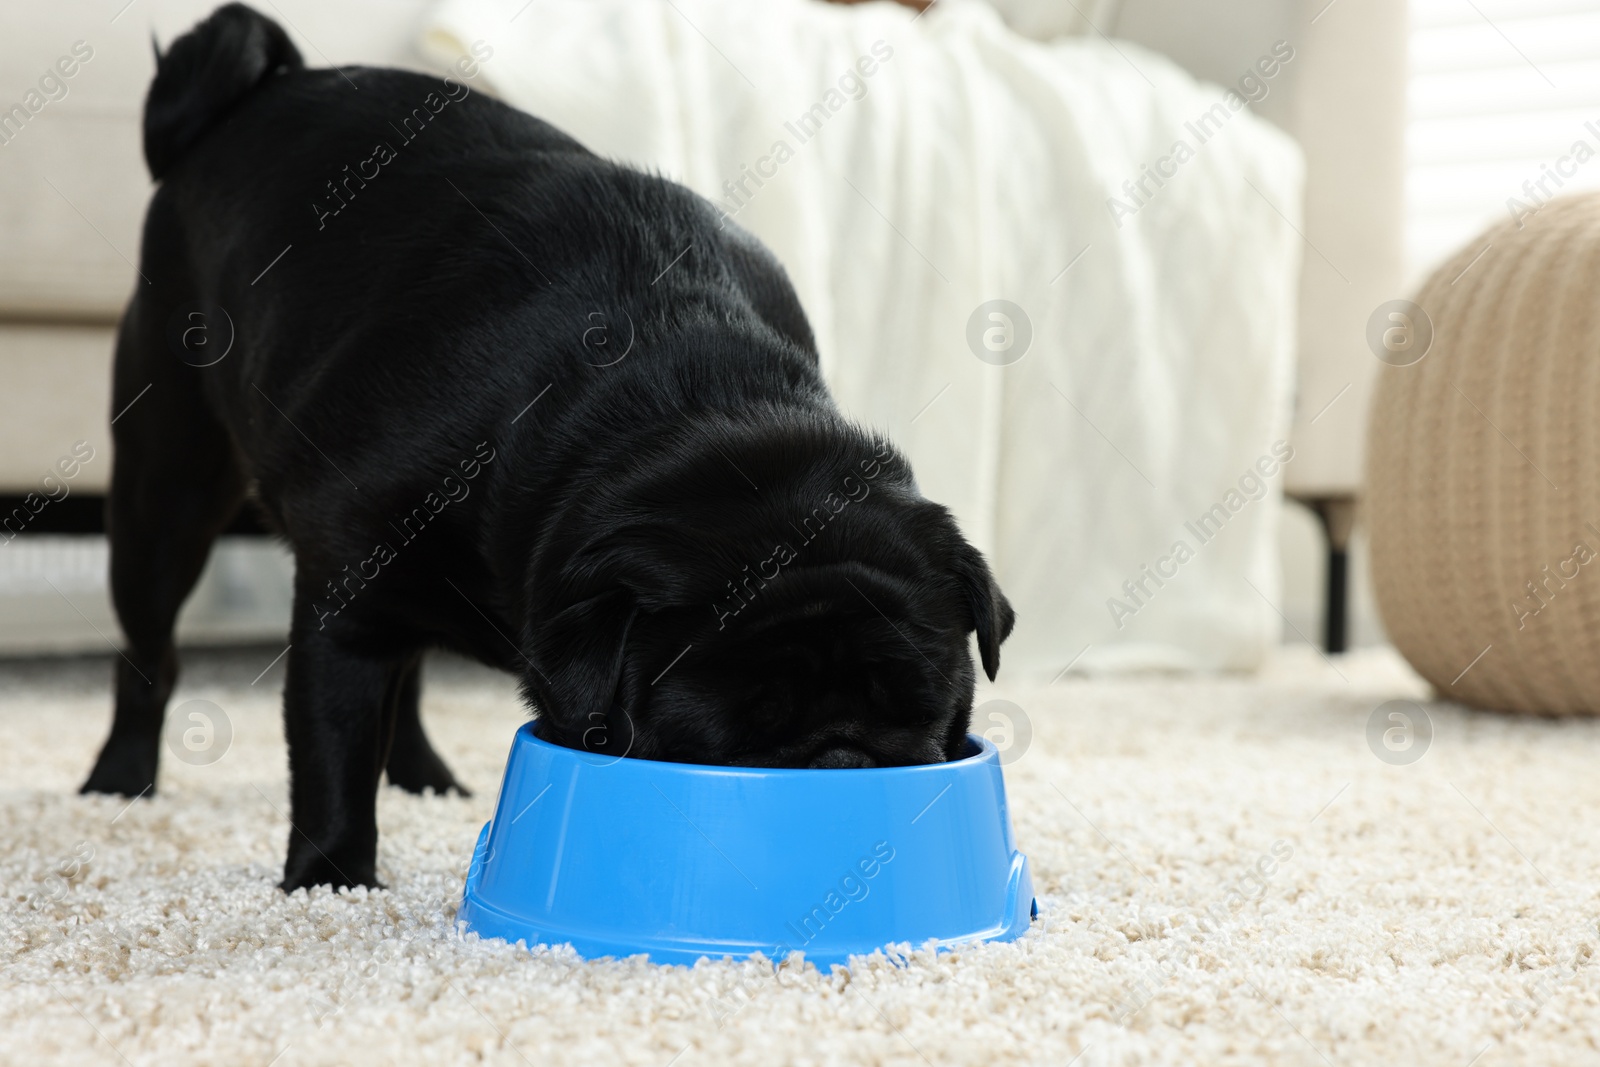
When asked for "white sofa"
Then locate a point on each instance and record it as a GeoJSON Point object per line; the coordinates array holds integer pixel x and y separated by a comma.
{"type": "Point", "coordinates": [73, 189]}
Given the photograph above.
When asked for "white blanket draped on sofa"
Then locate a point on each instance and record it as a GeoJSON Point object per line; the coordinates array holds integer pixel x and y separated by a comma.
{"type": "Point", "coordinates": [907, 170]}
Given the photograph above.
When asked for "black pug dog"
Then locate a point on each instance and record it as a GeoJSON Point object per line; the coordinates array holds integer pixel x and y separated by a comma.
{"type": "Point", "coordinates": [502, 396]}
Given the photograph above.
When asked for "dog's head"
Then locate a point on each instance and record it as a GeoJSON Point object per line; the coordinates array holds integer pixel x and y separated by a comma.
{"type": "Point", "coordinates": [766, 597]}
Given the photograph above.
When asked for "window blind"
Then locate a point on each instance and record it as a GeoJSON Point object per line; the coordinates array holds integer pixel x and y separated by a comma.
{"type": "Point", "coordinates": [1504, 103]}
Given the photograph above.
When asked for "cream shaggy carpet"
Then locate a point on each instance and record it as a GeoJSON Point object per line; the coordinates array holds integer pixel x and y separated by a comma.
{"type": "Point", "coordinates": [1226, 874]}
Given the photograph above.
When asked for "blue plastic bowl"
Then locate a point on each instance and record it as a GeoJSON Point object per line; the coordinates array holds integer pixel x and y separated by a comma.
{"type": "Point", "coordinates": [619, 857]}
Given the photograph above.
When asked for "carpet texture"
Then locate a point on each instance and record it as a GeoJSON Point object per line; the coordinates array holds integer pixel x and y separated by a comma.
{"type": "Point", "coordinates": [1227, 873]}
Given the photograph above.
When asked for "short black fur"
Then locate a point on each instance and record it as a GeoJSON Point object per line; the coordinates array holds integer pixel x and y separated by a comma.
{"type": "Point", "coordinates": [502, 396]}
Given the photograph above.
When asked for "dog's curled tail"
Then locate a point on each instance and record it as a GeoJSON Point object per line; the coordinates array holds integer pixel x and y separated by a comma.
{"type": "Point", "coordinates": [205, 74]}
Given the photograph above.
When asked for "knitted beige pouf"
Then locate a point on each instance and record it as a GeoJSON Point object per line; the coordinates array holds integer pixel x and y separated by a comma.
{"type": "Point", "coordinates": [1483, 471]}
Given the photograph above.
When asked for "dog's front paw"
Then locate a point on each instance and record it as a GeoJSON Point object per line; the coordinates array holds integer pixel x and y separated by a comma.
{"type": "Point", "coordinates": [424, 773]}
{"type": "Point", "coordinates": [309, 866]}
{"type": "Point", "coordinates": [323, 871]}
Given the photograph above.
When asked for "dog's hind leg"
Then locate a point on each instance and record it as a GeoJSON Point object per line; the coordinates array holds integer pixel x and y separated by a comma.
{"type": "Point", "coordinates": [174, 484]}
{"type": "Point", "coordinates": [413, 764]}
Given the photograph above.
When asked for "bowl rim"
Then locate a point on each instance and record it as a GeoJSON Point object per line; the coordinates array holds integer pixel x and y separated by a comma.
{"type": "Point", "coordinates": [985, 750]}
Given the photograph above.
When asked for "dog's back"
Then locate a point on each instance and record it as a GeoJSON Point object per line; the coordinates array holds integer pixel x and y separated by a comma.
{"type": "Point", "coordinates": [426, 234]}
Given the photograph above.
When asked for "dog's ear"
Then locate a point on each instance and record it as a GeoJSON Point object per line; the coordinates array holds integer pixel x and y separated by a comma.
{"type": "Point", "coordinates": [992, 616]}
{"type": "Point", "coordinates": [582, 652]}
